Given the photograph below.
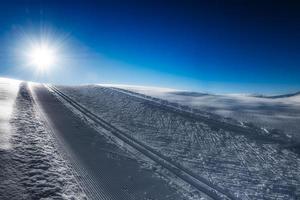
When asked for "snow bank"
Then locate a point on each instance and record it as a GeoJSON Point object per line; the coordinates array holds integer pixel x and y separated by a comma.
{"type": "Point", "coordinates": [32, 167]}
{"type": "Point", "coordinates": [8, 92]}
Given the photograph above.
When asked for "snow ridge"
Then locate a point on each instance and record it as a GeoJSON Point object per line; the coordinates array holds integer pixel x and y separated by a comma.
{"type": "Point", "coordinates": [33, 168]}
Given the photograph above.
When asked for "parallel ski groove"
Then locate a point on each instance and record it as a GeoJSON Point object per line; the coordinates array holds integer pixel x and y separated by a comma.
{"type": "Point", "coordinates": [93, 192]}
{"type": "Point", "coordinates": [186, 175]}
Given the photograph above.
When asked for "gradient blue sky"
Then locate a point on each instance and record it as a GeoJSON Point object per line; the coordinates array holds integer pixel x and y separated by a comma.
{"type": "Point", "coordinates": [216, 46]}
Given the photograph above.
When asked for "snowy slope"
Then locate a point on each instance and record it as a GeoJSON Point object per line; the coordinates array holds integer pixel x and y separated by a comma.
{"type": "Point", "coordinates": [273, 112]}
{"type": "Point", "coordinates": [49, 153]}
{"type": "Point", "coordinates": [247, 162]}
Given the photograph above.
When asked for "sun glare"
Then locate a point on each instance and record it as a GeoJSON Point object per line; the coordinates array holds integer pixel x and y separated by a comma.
{"type": "Point", "coordinates": [42, 56]}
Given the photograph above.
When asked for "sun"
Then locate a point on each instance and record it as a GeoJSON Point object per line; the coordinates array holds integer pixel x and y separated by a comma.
{"type": "Point", "coordinates": [42, 56]}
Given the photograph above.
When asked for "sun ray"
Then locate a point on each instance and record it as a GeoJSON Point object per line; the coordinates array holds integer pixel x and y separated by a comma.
{"type": "Point", "coordinates": [42, 56]}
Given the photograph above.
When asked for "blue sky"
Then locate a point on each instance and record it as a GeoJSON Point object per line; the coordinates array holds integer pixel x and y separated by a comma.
{"type": "Point", "coordinates": [216, 46]}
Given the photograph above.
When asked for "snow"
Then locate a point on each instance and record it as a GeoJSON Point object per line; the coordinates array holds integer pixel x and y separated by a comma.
{"type": "Point", "coordinates": [248, 162]}
{"type": "Point", "coordinates": [8, 92]}
{"type": "Point", "coordinates": [184, 190]}
{"type": "Point", "coordinates": [31, 165]}
{"type": "Point", "coordinates": [248, 165]}
{"type": "Point", "coordinates": [272, 113]}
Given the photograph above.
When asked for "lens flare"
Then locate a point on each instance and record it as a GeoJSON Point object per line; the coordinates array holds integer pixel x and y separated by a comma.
{"type": "Point", "coordinates": [42, 56]}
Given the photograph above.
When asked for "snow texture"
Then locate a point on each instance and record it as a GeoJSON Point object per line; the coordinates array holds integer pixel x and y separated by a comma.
{"type": "Point", "coordinates": [271, 112]}
{"type": "Point", "coordinates": [31, 166]}
{"type": "Point", "coordinates": [247, 165]}
{"type": "Point", "coordinates": [8, 92]}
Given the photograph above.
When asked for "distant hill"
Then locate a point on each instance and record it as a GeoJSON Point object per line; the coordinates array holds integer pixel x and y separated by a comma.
{"type": "Point", "coordinates": [278, 96]}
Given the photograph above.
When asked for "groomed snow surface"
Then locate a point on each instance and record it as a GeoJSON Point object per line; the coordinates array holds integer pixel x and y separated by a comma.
{"type": "Point", "coordinates": [248, 162]}
{"type": "Point", "coordinates": [30, 165]}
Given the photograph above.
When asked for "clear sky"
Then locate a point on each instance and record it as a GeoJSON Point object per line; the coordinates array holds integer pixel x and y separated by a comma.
{"type": "Point", "coordinates": [216, 46]}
